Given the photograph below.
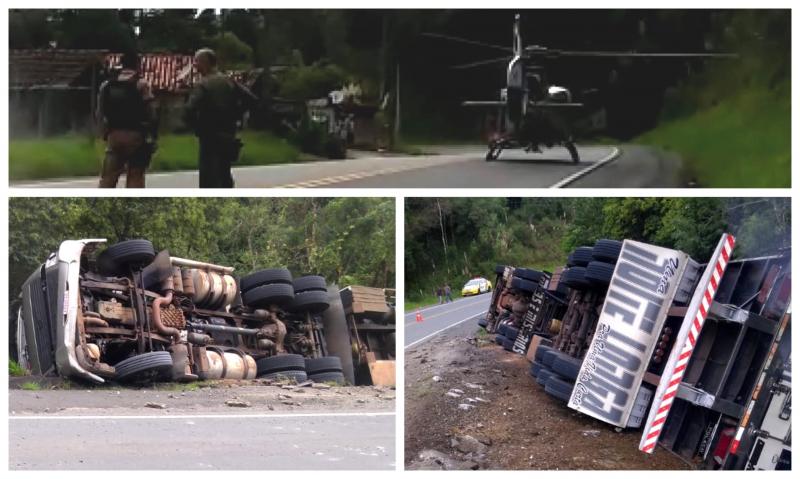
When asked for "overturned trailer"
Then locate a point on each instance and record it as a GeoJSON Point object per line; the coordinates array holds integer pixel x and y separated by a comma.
{"type": "Point", "coordinates": [125, 313]}
{"type": "Point", "coordinates": [370, 314]}
{"type": "Point", "coordinates": [699, 361]}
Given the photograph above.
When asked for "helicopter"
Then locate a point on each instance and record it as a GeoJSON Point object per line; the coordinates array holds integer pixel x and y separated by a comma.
{"type": "Point", "coordinates": [533, 112]}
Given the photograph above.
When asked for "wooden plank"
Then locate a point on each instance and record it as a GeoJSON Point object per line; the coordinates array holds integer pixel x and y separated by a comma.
{"type": "Point", "coordinates": [382, 372]}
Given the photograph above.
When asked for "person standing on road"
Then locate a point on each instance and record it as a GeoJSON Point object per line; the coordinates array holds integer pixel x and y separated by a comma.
{"type": "Point", "coordinates": [213, 111]}
{"type": "Point", "coordinates": [439, 294]}
{"type": "Point", "coordinates": [126, 110]}
{"type": "Point", "coordinates": [448, 294]}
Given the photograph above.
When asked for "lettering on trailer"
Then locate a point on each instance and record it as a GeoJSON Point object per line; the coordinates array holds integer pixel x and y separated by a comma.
{"type": "Point", "coordinates": [639, 295]}
{"type": "Point", "coordinates": [530, 319]}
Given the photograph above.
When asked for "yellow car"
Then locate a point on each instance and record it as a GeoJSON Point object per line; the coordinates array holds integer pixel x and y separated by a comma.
{"type": "Point", "coordinates": [476, 286]}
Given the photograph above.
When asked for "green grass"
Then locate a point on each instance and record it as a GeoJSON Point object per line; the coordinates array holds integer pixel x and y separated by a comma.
{"type": "Point", "coordinates": [743, 141]}
{"type": "Point", "coordinates": [74, 155]}
{"type": "Point", "coordinates": [411, 304]}
{"type": "Point", "coordinates": [31, 386]}
{"type": "Point", "coordinates": [14, 369]}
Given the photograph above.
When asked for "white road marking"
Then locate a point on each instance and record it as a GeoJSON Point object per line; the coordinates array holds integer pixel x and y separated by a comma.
{"type": "Point", "coordinates": [571, 178]}
{"type": "Point", "coordinates": [445, 312]}
{"type": "Point", "coordinates": [443, 329]}
{"type": "Point", "coordinates": [459, 300]}
{"type": "Point", "coordinates": [205, 416]}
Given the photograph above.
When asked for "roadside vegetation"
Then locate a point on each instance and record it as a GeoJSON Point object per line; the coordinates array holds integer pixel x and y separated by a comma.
{"type": "Point", "coordinates": [31, 386]}
{"type": "Point", "coordinates": [731, 124]}
{"type": "Point", "coordinates": [14, 369]}
{"type": "Point", "coordinates": [74, 155]}
{"type": "Point", "coordinates": [449, 240]}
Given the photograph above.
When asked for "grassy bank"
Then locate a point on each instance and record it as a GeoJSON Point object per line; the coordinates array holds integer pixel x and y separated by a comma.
{"type": "Point", "coordinates": [743, 141]}
{"type": "Point", "coordinates": [411, 304]}
{"type": "Point", "coordinates": [73, 155]}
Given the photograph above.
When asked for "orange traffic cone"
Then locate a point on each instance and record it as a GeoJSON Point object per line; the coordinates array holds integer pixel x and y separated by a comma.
{"type": "Point", "coordinates": [419, 316]}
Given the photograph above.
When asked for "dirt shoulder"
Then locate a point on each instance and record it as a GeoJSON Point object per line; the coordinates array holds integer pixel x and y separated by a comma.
{"type": "Point", "coordinates": [472, 405]}
{"type": "Point", "coordinates": [218, 397]}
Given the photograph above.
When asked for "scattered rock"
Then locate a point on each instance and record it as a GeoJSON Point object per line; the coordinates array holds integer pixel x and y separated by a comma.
{"type": "Point", "coordinates": [591, 433]}
{"type": "Point", "coordinates": [237, 403]}
{"type": "Point", "coordinates": [481, 399]}
{"type": "Point", "coordinates": [306, 384]}
{"type": "Point", "coordinates": [288, 386]}
{"type": "Point", "coordinates": [361, 401]}
{"type": "Point", "coordinates": [320, 386]}
{"type": "Point", "coordinates": [452, 394]}
{"type": "Point", "coordinates": [431, 459]}
{"type": "Point", "coordinates": [465, 407]}
{"type": "Point", "coordinates": [155, 405]}
{"type": "Point", "coordinates": [468, 444]}
{"type": "Point", "coordinates": [473, 386]}
{"type": "Point", "coordinates": [436, 379]}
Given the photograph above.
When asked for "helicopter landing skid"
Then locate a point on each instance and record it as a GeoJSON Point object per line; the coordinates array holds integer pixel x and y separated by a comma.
{"type": "Point", "coordinates": [497, 147]}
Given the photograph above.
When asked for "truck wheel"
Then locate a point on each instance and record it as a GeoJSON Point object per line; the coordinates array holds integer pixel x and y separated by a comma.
{"type": "Point", "coordinates": [540, 350]}
{"type": "Point", "coordinates": [279, 294]}
{"type": "Point", "coordinates": [314, 302]}
{"type": "Point", "coordinates": [559, 388]}
{"type": "Point", "coordinates": [310, 283]}
{"type": "Point", "coordinates": [297, 376]}
{"type": "Point", "coordinates": [529, 274]}
{"type": "Point", "coordinates": [482, 322]}
{"type": "Point", "coordinates": [544, 375]}
{"type": "Point", "coordinates": [511, 333]}
{"type": "Point", "coordinates": [325, 364]}
{"type": "Point", "coordinates": [599, 273]}
{"type": "Point", "coordinates": [499, 269]}
{"type": "Point", "coordinates": [548, 357]}
{"type": "Point", "coordinates": [280, 363]}
{"type": "Point", "coordinates": [498, 339]}
{"type": "Point", "coordinates": [265, 276]}
{"type": "Point", "coordinates": [508, 344]}
{"type": "Point", "coordinates": [582, 256]}
{"type": "Point", "coordinates": [536, 367]}
{"type": "Point", "coordinates": [566, 366]}
{"type": "Point", "coordinates": [117, 258]}
{"type": "Point", "coordinates": [144, 367]}
{"type": "Point", "coordinates": [334, 377]}
{"type": "Point", "coordinates": [575, 278]}
{"type": "Point", "coordinates": [523, 285]}
{"type": "Point", "coordinates": [607, 250]}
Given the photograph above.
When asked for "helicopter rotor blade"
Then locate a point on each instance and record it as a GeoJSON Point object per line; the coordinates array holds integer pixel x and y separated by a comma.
{"type": "Point", "coordinates": [442, 36]}
{"type": "Point", "coordinates": [570, 53]}
{"type": "Point", "coordinates": [480, 63]}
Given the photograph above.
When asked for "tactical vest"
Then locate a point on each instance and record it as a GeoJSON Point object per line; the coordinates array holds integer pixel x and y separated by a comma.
{"type": "Point", "coordinates": [124, 107]}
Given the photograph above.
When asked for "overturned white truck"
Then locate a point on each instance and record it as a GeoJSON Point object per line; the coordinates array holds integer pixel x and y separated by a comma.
{"type": "Point", "coordinates": [638, 335]}
{"type": "Point", "coordinates": [124, 313]}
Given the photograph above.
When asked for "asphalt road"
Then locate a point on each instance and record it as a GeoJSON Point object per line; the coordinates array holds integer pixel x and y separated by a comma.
{"type": "Point", "coordinates": [320, 441]}
{"type": "Point", "coordinates": [439, 318]}
{"type": "Point", "coordinates": [446, 167]}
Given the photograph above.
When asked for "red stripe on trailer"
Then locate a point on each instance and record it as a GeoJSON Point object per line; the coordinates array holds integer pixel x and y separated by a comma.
{"type": "Point", "coordinates": [702, 303]}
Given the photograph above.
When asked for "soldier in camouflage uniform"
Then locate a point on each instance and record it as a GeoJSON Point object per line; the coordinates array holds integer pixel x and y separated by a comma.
{"type": "Point", "coordinates": [213, 111]}
{"type": "Point", "coordinates": [126, 109]}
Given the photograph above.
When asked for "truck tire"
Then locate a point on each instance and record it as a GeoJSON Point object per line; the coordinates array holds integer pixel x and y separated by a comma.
{"type": "Point", "coordinates": [543, 376]}
{"type": "Point", "coordinates": [566, 366]}
{"type": "Point", "coordinates": [508, 344]}
{"type": "Point", "coordinates": [482, 322]}
{"type": "Point", "coordinates": [315, 302]}
{"type": "Point", "coordinates": [335, 377]}
{"type": "Point", "coordinates": [146, 366]}
{"type": "Point", "coordinates": [511, 332]}
{"type": "Point", "coordinates": [523, 285]}
{"type": "Point", "coordinates": [265, 276]}
{"type": "Point", "coordinates": [599, 273]}
{"type": "Point", "coordinates": [310, 283]}
{"type": "Point", "coordinates": [297, 376]}
{"type": "Point", "coordinates": [279, 363]}
{"type": "Point", "coordinates": [337, 334]}
{"type": "Point", "coordinates": [498, 339]}
{"type": "Point", "coordinates": [575, 278]}
{"type": "Point", "coordinates": [500, 269]}
{"type": "Point", "coordinates": [548, 357]}
{"type": "Point", "coordinates": [570, 260]}
{"type": "Point", "coordinates": [582, 256]}
{"type": "Point", "coordinates": [119, 257]}
{"type": "Point", "coordinates": [501, 329]}
{"type": "Point", "coordinates": [536, 366]}
{"type": "Point", "coordinates": [540, 350]}
{"type": "Point", "coordinates": [325, 364]}
{"type": "Point", "coordinates": [529, 274]}
{"type": "Point", "coordinates": [558, 388]}
{"type": "Point", "coordinates": [607, 250]}
{"type": "Point", "coordinates": [279, 294]}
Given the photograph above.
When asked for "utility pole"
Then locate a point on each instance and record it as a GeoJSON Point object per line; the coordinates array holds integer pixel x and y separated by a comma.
{"type": "Point", "coordinates": [397, 105]}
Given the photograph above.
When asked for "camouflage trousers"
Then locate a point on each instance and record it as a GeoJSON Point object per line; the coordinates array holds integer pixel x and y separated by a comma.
{"type": "Point", "coordinates": [123, 148]}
